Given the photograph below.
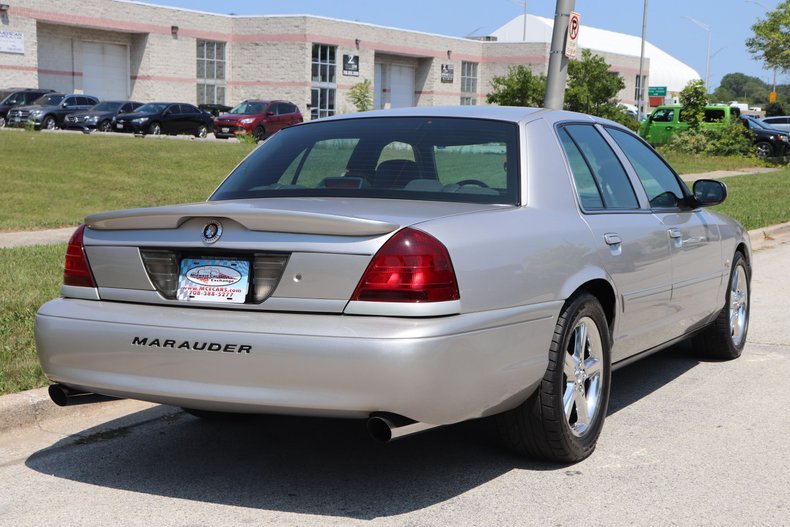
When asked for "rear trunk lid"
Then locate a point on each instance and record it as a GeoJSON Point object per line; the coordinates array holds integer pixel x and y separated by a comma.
{"type": "Point", "coordinates": [285, 254]}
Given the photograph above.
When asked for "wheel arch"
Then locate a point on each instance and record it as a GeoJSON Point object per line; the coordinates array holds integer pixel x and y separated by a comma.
{"type": "Point", "coordinates": [604, 292]}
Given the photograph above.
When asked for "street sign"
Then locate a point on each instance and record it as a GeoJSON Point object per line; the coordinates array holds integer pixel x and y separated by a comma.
{"type": "Point", "coordinates": [772, 97]}
{"type": "Point", "coordinates": [572, 40]}
{"type": "Point", "coordinates": [657, 91]}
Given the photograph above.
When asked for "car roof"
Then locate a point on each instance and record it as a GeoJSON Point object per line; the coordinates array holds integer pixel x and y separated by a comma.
{"type": "Point", "coordinates": [514, 114]}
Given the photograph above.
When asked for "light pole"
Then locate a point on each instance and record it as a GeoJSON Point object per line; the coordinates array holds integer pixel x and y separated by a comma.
{"type": "Point", "coordinates": [558, 63]}
{"type": "Point", "coordinates": [523, 3]}
{"type": "Point", "coordinates": [757, 2]}
{"type": "Point", "coordinates": [707, 28]}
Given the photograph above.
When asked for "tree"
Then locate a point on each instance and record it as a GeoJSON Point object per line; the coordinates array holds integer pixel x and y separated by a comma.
{"type": "Point", "coordinates": [771, 40]}
{"type": "Point", "coordinates": [360, 95]}
{"type": "Point", "coordinates": [591, 87]}
{"type": "Point", "coordinates": [774, 109]}
{"type": "Point", "coordinates": [694, 98]}
{"type": "Point", "coordinates": [743, 88]}
{"type": "Point", "coordinates": [520, 87]}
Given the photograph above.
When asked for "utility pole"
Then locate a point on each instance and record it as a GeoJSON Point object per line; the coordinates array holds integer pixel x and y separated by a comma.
{"type": "Point", "coordinates": [640, 94]}
{"type": "Point", "coordinates": [558, 62]}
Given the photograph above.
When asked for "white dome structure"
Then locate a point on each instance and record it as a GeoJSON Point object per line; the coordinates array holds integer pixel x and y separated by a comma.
{"type": "Point", "coordinates": [665, 70]}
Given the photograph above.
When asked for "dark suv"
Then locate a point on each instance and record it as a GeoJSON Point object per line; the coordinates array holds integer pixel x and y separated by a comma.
{"type": "Point", "coordinates": [12, 97]}
{"type": "Point", "coordinates": [49, 110]}
{"type": "Point", "coordinates": [257, 118]}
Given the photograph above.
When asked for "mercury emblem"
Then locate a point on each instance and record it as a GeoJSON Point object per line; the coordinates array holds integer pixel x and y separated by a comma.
{"type": "Point", "coordinates": [212, 231]}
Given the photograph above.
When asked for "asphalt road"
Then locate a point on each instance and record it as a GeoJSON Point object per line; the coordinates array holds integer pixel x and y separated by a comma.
{"type": "Point", "coordinates": [686, 442]}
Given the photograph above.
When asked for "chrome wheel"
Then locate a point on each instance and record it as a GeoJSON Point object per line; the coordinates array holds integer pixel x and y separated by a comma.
{"type": "Point", "coordinates": [739, 305]}
{"type": "Point", "coordinates": [582, 375]}
{"type": "Point", "coordinates": [202, 131]}
{"type": "Point", "coordinates": [49, 123]}
{"type": "Point", "coordinates": [155, 129]}
{"type": "Point", "coordinates": [2, 122]}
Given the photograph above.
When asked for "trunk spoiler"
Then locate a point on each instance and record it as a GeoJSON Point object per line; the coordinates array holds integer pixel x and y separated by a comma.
{"type": "Point", "coordinates": [252, 218]}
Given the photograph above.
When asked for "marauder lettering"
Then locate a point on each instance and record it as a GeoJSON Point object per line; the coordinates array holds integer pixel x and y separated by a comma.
{"type": "Point", "coordinates": [190, 345]}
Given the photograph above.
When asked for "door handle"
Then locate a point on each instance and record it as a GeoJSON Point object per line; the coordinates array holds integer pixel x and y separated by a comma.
{"type": "Point", "coordinates": [675, 233]}
{"type": "Point", "coordinates": [612, 238]}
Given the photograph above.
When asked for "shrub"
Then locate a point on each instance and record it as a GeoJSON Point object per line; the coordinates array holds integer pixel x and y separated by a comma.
{"type": "Point", "coordinates": [732, 139]}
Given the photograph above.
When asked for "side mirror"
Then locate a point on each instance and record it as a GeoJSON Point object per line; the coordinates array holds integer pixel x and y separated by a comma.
{"type": "Point", "coordinates": [709, 192]}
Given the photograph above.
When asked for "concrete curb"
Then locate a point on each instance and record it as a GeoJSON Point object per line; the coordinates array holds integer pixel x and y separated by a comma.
{"type": "Point", "coordinates": [770, 236]}
{"type": "Point", "coordinates": [24, 409]}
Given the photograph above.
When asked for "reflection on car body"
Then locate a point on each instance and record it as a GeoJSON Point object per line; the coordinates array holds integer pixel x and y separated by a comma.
{"type": "Point", "coordinates": [415, 268]}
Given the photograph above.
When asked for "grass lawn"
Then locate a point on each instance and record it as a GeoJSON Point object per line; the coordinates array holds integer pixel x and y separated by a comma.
{"type": "Point", "coordinates": [29, 276]}
{"type": "Point", "coordinates": [44, 188]}
{"type": "Point", "coordinates": [55, 180]}
{"type": "Point", "coordinates": [691, 164]}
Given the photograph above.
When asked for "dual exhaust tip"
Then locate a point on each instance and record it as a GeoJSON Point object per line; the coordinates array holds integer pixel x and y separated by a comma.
{"type": "Point", "coordinates": [382, 426]}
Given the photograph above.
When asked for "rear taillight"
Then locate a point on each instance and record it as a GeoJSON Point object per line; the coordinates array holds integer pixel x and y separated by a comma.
{"type": "Point", "coordinates": [412, 266]}
{"type": "Point", "coordinates": [76, 270]}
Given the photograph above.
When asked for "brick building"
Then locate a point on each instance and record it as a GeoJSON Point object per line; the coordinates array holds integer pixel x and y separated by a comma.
{"type": "Point", "coordinates": [120, 49]}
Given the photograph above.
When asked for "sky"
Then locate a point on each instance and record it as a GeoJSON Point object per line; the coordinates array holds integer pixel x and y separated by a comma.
{"type": "Point", "coordinates": [668, 27]}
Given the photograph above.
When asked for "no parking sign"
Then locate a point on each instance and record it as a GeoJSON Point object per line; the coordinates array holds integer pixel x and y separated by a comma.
{"type": "Point", "coordinates": [571, 41]}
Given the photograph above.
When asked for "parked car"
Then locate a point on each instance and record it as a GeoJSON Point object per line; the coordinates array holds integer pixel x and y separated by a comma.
{"type": "Point", "coordinates": [12, 97]}
{"type": "Point", "coordinates": [48, 111]}
{"type": "Point", "coordinates": [164, 118]}
{"type": "Point", "coordinates": [100, 116]}
{"type": "Point", "coordinates": [257, 118]}
{"type": "Point", "coordinates": [781, 122]}
{"type": "Point", "coordinates": [409, 267]}
{"type": "Point", "coordinates": [768, 141]}
{"type": "Point", "coordinates": [214, 109]}
{"type": "Point", "coordinates": [667, 120]}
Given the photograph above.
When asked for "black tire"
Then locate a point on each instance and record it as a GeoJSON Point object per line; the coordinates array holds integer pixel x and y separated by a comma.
{"type": "Point", "coordinates": [48, 123]}
{"type": "Point", "coordinates": [259, 133]}
{"type": "Point", "coordinates": [104, 126]}
{"type": "Point", "coordinates": [155, 128]}
{"type": "Point", "coordinates": [544, 426]}
{"type": "Point", "coordinates": [725, 338]}
{"type": "Point", "coordinates": [763, 150]}
{"type": "Point", "coordinates": [202, 131]}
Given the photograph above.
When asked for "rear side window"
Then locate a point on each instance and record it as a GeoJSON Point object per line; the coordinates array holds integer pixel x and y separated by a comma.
{"type": "Point", "coordinates": [595, 166]}
{"type": "Point", "coordinates": [416, 158]}
{"type": "Point", "coordinates": [660, 183]}
{"type": "Point", "coordinates": [664, 115]}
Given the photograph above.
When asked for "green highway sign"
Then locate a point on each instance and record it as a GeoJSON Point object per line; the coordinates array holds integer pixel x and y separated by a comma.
{"type": "Point", "coordinates": [657, 91]}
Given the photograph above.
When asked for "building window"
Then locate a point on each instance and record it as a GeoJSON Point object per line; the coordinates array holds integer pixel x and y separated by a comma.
{"type": "Point", "coordinates": [324, 81]}
{"type": "Point", "coordinates": [210, 72]}
{"type": "Point", "coordinates": [468, 83]}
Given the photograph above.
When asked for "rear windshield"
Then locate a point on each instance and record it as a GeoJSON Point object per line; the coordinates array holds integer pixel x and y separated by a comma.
{"type": "Point", "coordinates": [426, 158]}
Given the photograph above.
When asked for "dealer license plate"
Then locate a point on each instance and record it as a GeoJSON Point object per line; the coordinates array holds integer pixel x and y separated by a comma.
{"type": "Point", "coordinates": [119, 126]}
{"type": "Point", "coordinates": [225, 130]}
{"type": "Point", "coordinates": [213, 280]}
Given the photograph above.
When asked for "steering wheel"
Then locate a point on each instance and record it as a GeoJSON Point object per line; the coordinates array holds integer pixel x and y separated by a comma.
{"type": "Point", "coordinates": [472, 182]}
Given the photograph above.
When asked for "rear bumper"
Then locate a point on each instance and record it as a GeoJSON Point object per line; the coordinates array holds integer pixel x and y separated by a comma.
{"type": "Point", "coordinates": [435, 370]}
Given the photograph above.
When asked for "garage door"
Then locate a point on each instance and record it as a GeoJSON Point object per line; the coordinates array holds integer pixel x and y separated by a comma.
{"type": "Point", "coordinates": [402, 86]}
{"type": "Point", "coordinates": [105, 72]}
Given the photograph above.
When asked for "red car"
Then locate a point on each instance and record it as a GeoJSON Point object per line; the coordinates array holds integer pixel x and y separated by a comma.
{"type": "Point", "coordinates": [257, 118]}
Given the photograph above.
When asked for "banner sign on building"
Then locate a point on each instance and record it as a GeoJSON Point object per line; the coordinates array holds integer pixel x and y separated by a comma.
{"type": "Point", "coordinates": [12, 42]}
{"type": "Point", "coordinates": [351, 65]}
{"type": "Point", "coordinates": [447, 73]}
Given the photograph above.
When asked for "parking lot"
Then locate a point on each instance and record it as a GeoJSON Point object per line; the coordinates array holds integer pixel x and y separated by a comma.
{"type": "Point", "coordinates": [686, 442]}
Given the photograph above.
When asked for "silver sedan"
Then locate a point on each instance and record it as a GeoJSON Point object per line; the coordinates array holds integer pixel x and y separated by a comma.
{"type": "Point", "coordinates": [414, 268]}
